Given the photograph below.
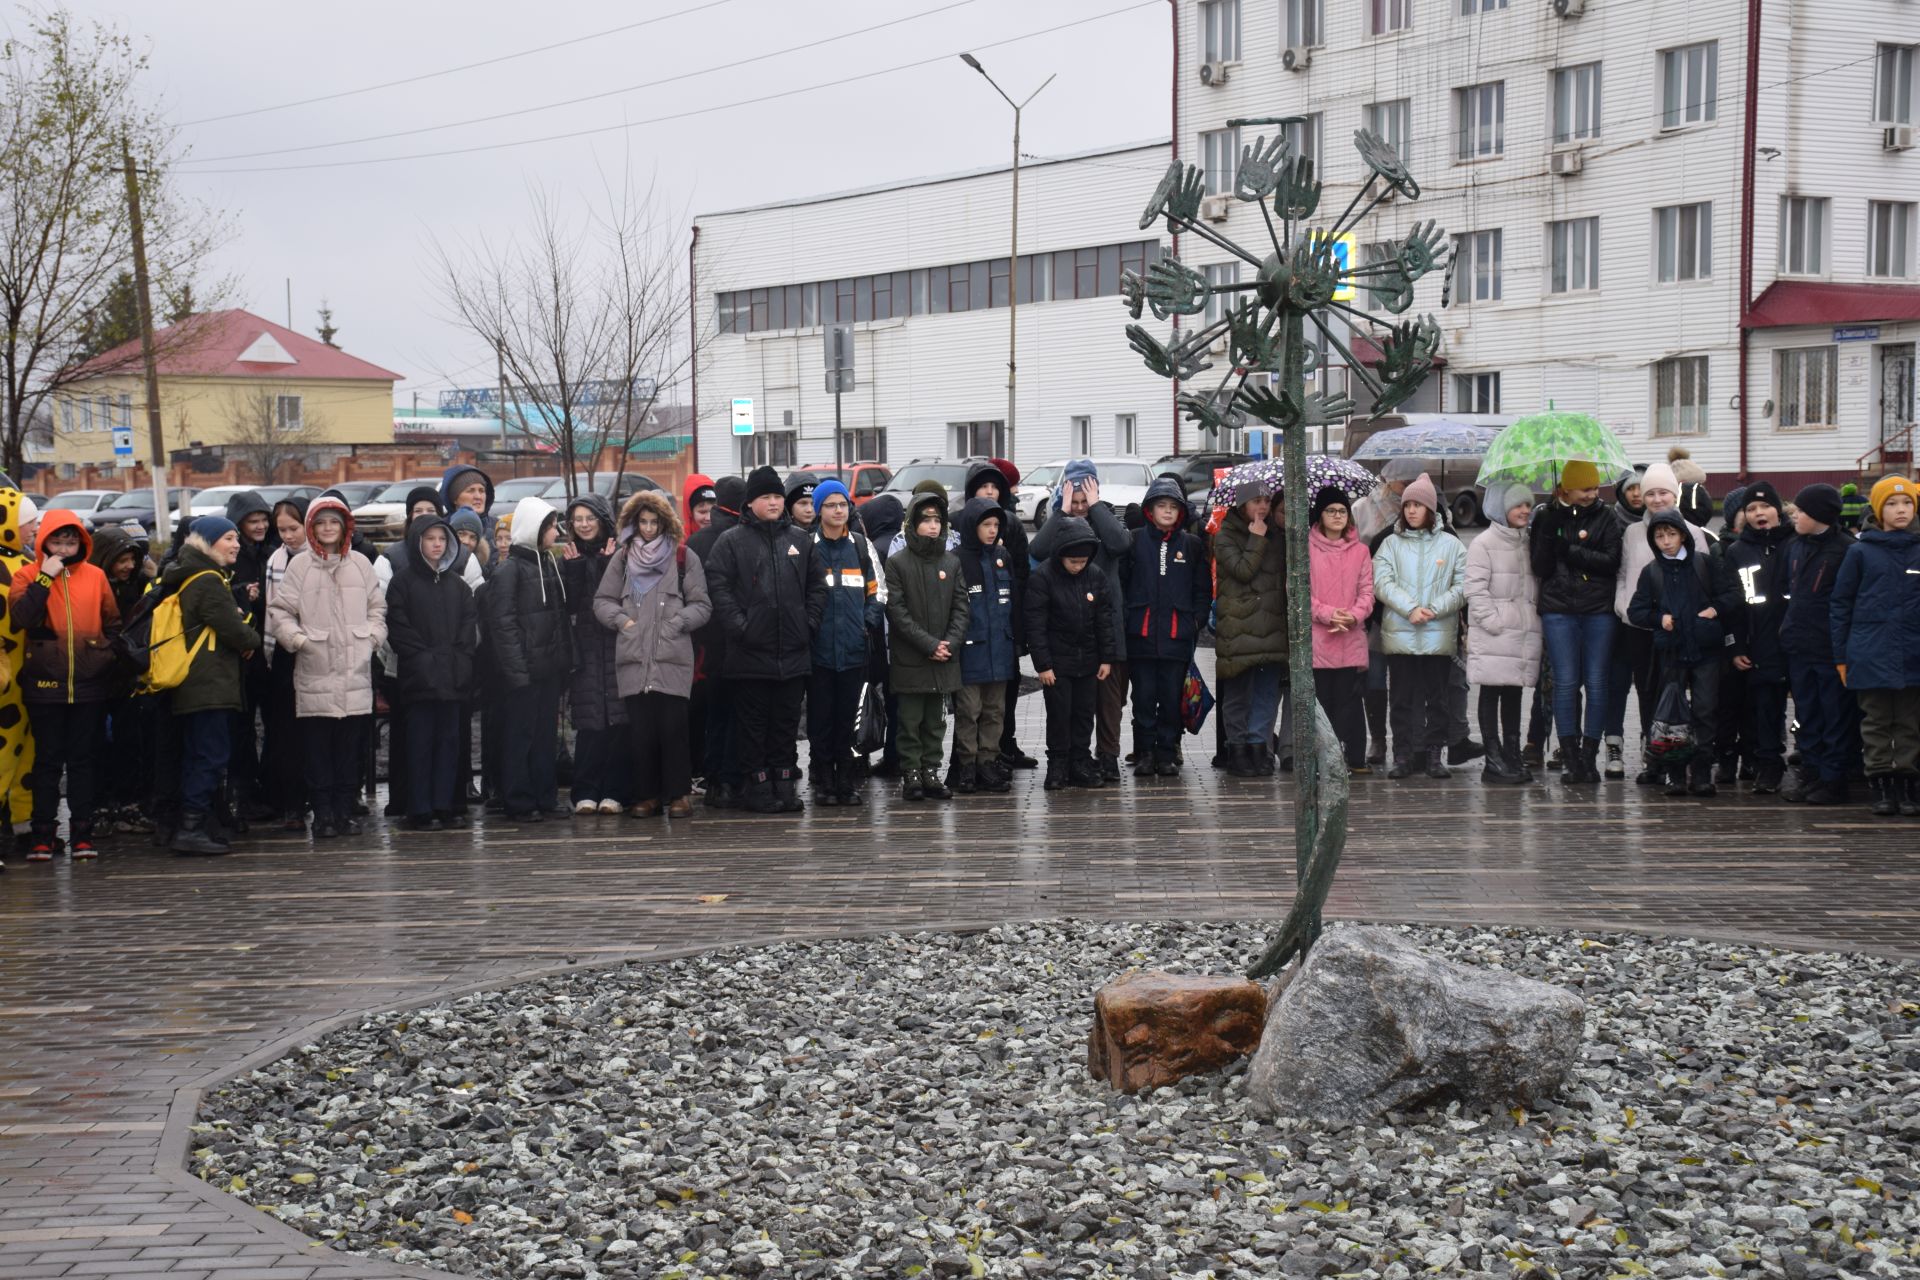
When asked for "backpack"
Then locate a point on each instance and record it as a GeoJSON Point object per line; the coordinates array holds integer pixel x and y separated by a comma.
{"type": "Point", "coordinates": [153, 639]}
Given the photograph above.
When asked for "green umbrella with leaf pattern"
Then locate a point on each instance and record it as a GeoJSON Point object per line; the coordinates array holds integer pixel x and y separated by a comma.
{"type": "Point", "coordinates": [1533, 450]}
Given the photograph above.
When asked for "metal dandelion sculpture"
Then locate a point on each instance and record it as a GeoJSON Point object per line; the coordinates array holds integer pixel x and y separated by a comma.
{"type": "Point", "coordinates": [1306, 280]}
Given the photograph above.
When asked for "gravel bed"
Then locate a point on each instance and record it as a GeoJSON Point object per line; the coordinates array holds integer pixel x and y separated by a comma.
{"type": "Point", "coordinates": [919, 1104]}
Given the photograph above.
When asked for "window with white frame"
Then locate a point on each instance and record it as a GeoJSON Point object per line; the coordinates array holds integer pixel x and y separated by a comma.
{"type": "Point", "coordinates": [1680, 396]}
{"type": "Point", "coordinates": [1220, 157]}
{"type": "Point", "coordinates": [1303, 139]}
{"type": "Point", "coordinates": [1080, 436]}
{"type": "Point", "coordinates": [1482, 113]}
{"type": "Point", "coordinates": [770, 449]}
{"type": "Point", "coordinates": [1689, 85]}
{"type": "Point", "coordinates": [1808, 381]}
{"type": "Point", "coordinates": [1476, 267]}
{"type": "Point", "coordinates": [979, 439]}
{"type": "Point", "coordinates": [1574, 245]}
{"type": "Point", "coordinates": [1476, 393]}
{"type": "Point", "coordinates": [864, 444]}
{"type": "Point", "coordinates": [1893, 84]}
{"type": "Point", "coordinates": [1890, 245]}
{"type": "Point", "coordinates": [1372, 255]}
{"type": "Point", "coordinates": [1803, 235]}
{"type": "Point", "coordinates": [1126, 434]}
{"type": "Point", "coordinates": [1306, 23]}
{"type": "Point", "coordinates": [1393, 122]}
{"type": "Point", "coordinates": [286, 414]}
{"type": "Point", "coordinates": [1468, 8]}
{"type": "Point", "coordinates": [1218, 304]}
{"type": "Point", "coordinates": [1391, 15]}
{"type": "Point", "coordinates": [1683, 242]}
{"type": "Point", "coordinates": [1576, 102]}
{"type": "Point", "coordinates": [1220, 24]}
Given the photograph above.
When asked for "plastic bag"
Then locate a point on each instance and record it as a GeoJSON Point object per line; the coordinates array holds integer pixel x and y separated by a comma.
{"type": "Point", "coordinates": [1196, 700]}
{"type": "Point", "coordinates": [870, 726]}
{"type": "Point", "coordinates": [1670, 737]}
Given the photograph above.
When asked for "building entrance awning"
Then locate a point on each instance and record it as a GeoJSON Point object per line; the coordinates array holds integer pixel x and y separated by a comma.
{"type": "Point", "coordinates": [1815, 302]}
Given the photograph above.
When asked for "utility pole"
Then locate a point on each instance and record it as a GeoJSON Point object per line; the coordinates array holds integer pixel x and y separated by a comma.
{"type": "Point", "coordinates": [1013, 251]}
{"type": "Point", "coordinates": [156, 445]}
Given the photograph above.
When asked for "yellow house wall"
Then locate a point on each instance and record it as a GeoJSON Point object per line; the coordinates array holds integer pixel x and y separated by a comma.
{"type": "Point", "coordinates": [201, 411]}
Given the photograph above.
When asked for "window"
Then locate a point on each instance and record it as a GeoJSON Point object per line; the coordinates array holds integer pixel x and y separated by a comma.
{"type": "Point", "coordinates": [1808, 380]}
{"type": "Point", "coordinates": [998, 280]}
{"type": "Point", "coordinates": [1689, 83]}
{"type": "Point", "coordinates": [1476, 393]}
{"type": "Point", "coordinates": [1306, 23]}
{"type": "Point", "coordinates": [1220, 20]}
{"type": "Point", "coordinates": [1575, 246]}
{"type": "Point", "coordinates": [864, 444]}
{"type": "Point", "coordinates": [770, 449]}
{"type": "Point", "coordinates": [1482, 111]}
{"type": "Point", "coordinates": [1303, 139]}
{"type": "Point", "coordinates": [1576, 102]}
{"type": "Point", "coordinates": [1476, 267]}
{"type": "Point", "coordinates": [1126, 434]}
{"type": "Point", "coordinates": [287, 413]}
{"type": "Point", "coordinates": [1219, 273]}
{"type": "Point", "coordinates": [1391, 15]}
{"type": "Point", "coordinates": [1080, 437]}
{"type": "Point", "coordinates": [1803, 235]}
{"type": "Point", "coordinates": [1893, 84]}
{"type": "Point", "coordinates": [1373, 255]}
{"type": "Point", "coordinates": [1468, 8]}
{"type": "Point", "coordinates": [979, 439]}
{"type": "Point", "coordinates": [1393, 122]}
{"type": "Point", "coordinates": [1680, 396]}
{"type": "Point", "coordinates": [1890, 238]}
{"type": "Point", "coordinates": [1683, 235]}
{"type": "Point", "coordinates": [1220, 157]}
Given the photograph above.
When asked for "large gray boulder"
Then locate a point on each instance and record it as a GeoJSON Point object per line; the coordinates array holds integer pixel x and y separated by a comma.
{"type": "Point", "coordinates": [1370, 1024]}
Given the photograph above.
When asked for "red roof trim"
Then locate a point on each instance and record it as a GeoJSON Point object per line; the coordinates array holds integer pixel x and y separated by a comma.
{"type": "Point", "coordinates": [1815, 302]}
{"type": "Point", "coordinates": [209, 345]}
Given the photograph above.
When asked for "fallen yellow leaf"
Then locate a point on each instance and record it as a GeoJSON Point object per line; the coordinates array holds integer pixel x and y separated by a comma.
{"type": "Point", "coordinates": [709, 900]}
{"type": "Point", "coordinates": [462, 1217]}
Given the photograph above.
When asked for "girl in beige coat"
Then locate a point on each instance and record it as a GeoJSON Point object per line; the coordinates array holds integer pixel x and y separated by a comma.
{"type": "Point", "coordinates": [332, 614]}
{"type": "Point", "coordinates": [1504, 644]}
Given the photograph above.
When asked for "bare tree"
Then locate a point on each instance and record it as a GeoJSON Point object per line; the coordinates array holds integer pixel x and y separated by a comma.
{"type": "Point", "coordinates": [271, 431]}
{"type": "Point", "coordinates": [68, 99]}
{"type": "Point", "coordinates": [589, 315]}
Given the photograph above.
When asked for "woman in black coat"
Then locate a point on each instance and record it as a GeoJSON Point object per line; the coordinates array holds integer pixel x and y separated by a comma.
{"type": "Point", "coordinates": [524, 611]}
{"type": "Point", "coordinates": [602, 761]}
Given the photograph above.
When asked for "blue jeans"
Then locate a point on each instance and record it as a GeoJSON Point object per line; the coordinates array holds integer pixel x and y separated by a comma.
{"type": "Point", "coordinates": [204, 748]}
{"type": "Point", "coordinates": [1580, 648]}
{"type": "Point", "coordinates": [1829, 719]}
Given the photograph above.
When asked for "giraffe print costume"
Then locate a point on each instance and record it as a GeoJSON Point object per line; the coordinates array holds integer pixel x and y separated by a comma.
{"type": "Point", "coordinates": [16, 738]}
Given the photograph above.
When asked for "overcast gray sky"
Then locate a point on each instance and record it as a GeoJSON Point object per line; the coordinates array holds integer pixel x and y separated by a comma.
{"type": "Point", "coordinates": [357, 234]}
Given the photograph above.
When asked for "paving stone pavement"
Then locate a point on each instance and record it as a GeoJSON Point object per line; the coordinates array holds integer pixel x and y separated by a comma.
{"type": "Point", "coordinates": [126, 984]}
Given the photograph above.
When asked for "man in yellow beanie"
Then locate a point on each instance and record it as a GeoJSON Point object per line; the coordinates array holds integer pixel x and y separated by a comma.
{"type": "Point", "coordinates": [1876, 643]}
{"type": "Point", "coordinates": [1574, 544]}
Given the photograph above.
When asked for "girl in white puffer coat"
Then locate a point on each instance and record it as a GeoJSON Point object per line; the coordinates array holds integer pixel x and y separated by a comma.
{"type": "Point", "coordinates": [1503, 655]}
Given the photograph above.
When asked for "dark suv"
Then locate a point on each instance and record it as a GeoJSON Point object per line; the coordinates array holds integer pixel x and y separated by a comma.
{"type": "Point", "coordinates": [1195, 470]}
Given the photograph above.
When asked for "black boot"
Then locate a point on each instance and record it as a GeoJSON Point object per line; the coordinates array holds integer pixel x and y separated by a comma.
{"type": "Point", "coordinates": [1571, 773]}
{"type": "Point", "coordinates": [824, 778]}
{"type": "Point", "coordinates": [1797, 785]}
{"type": "Point", "coordinates": [1403, 767]}
{"type": "Point", "coordinates": [996, 776]}
{"type": "Point", "coordinates": [1910, 796]}
{"type": "Point", "coordinates": [1590, 759]}
{"type": "Point", "coordinates": [786, 790]}
{"type": "Point", "coordinates": [846, 784]}
{"type": "Point", "coordinates": [1058, 774]}
{"type": "Point", "coordinates": [193, 837]}
{"type": "Point", "coordinates": [1499, 770]}
{"type": "Point", "coordinates": [1702, 784]}
{"type": "Point", "coordinates": [1676, 779]}
{"type": "Point", "coordinates": [760, 797]}
{"type": "Point", "coordinates": [1510, 748]}
{"type": "Point", "coordinates": [722, 795]}
{"type": "Point", "coordinates": [1263, 761]}
{"type": "Point", "coordinates": [1767, 778]}
{"type": "Point", "coordinates": [1085, 773]}
{"type": "Point", "coordinates": [934, 787]}
{"type": "Point", "coordinates": [1437, 763]}
{"type": "Point", "coordinates": [1239, 760]}
{"type": "Point", "coordinates": [1822, 792]}
{"type": "Point", "coordinates": [1109, 768]}
{"type": "Point", "coordinates": [913, 784]}
{"type": "Point", "coordinates": [1376, 704]}
{"type": "Point", "coordinates": [966, 779]}
{"type": "Point", "coordinates": [1143, 766]}
{"type": "Point", "coordinates": [1166, 764]}
{"type": "Point", "coordinates": [1466, 750]}
{"type": "Point", "coordinates": [1885, 790]}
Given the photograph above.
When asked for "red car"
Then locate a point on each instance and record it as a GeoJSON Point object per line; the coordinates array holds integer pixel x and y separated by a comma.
{"type": "Point", "coordinates": [864, 480]}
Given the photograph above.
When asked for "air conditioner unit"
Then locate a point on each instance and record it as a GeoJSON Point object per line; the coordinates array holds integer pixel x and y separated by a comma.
{"type": "Point", "coordinates": [1569, 8]}
{"type": "Point", "coordinates": [1564, 164]}
{"type": "Point", "coordinates": [1898, 137]}
{"type": "Point", "coordinates": [1214, 208]}
{"type": "Point", "coordinates": [1296, 57]}
{"type": "Point", "coordinates": [1213, 73]}
{"type": "Point", "coordinates": [1218, 347]}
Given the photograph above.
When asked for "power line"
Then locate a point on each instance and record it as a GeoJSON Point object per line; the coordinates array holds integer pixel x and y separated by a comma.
{"type": "Point", "coordinates": [591, 97]}
{"type": "Point", "coordinates": [691, 112]}
{"type": "Point", "coordinates": [468, 66]}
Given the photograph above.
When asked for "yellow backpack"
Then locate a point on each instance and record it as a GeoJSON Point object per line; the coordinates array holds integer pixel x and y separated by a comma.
{"type": "Point", "coordinates": [166, 655]}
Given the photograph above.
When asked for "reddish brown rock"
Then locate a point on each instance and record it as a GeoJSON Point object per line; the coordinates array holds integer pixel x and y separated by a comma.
{"type": "Point", "coordinates": [1151, 1028]}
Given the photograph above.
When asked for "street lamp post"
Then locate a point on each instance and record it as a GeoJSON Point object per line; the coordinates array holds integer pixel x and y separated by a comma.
{"type": "Point", "coordinates": [1013, 251]}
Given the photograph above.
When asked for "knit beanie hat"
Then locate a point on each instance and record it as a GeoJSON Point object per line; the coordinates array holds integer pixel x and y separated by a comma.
{"type": "Point", "coordinates": [1327, 497]}
{"type": "Point", "coordinates": [828, 489]}
{"type": "Point", "coordinates": [211, 529]}
{"type": "Point", "coordinates": [1423, 492]}
{"type": "Point", "coordinates": [1579, 474]}
{"type": "Point", "coordinates": [1819, 502]}
{"type": "Point", "coordinates": [1696, 504]}
{"type": "Point", "coordinates": [467, 520]}
{"type": "Point", "coordinates": [1628, 479]}
{"type": "Point", "coordinates": [29, 511]}
{"type": "Point", "coordinates": [1505, 497]}
{"type": "Point", "coordinates": [1732, 505]}
{"type": "Point", "coordinates": [1762, 491]}
{"type": "Point", "coordinates": [1660, 476]}
{"type": "Point", "coordinates": [762, 481]}
{"type": "Point", "coordinates": [1684, 467]}
{"type": "Point", "coordinates": [1886, 488]}
{"type": "Point", "coordinates": [730, 493]}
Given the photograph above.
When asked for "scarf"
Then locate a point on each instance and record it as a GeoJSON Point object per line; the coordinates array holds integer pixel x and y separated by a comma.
{"type": "Point", "coordinates": [647, 564]}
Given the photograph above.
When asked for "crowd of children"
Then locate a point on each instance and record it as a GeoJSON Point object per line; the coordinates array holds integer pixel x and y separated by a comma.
{"type": "Point", "coordinates": [684, 641]}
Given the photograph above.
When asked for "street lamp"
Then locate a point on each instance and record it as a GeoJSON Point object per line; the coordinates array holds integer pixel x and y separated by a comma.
{"type": "Point", "coordinates": [1013, 252]}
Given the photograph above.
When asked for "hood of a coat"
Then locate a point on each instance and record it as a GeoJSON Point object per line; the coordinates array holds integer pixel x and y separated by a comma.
{"type": "Point", "coordinates": [976, 510]}
{"type": "Point", "coordinates": [56, 520]}
{"type": "Point", "coordinates": [416, 560]}
{"type": "Point", "coordinates": [1076, 537]}
{"type": "Point", "coordinates": [602, 511]}
{"type": "Point", "coordinates": [111, 541]}
{"type": "Point", "coordinates": [530, 519]}
{"type": "Point", "coordinates": [919, 543]}
{"type": "Point", "coordinates": [882, 515]}
{"type": "Point", "coordinates": [249, 503]}
{"type": "Point", "coordinates": [339, 508]}
{"type": "Point", "coordinates": [981, 472]}
{"type": "Point", "coordinates": [1669, 519]}
{"type": "Point", "coordinates": [698, 488]}
{"type": "Point", "coordinates": [1319, 541]}
{"type": "Point", "coordinates": [467, 520]}
{"type": "Point", "coordinates": [649, 500]}
{"type": "Point", "coordinates": [1164, 487]}
{"type": "Point", "coordinates": [453, 480]}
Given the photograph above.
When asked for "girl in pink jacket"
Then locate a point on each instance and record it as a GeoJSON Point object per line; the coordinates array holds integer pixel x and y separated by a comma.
{"type": "Point", "coordinates": [1342, 576]}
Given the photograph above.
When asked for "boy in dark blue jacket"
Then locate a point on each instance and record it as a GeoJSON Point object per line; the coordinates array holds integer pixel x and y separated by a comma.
{"type": "Point", "coordinates": [1684, 598]}
{"type": "Point", "coordinates": [1828, 718]}
{"type": "Point", "coordinates": [1876, 643]}
{"type": "Point", "coordinates": [990, 657]}
{"type": "Point", "coordinates": [1757, 560]}
{"type": "Point", "coordinates": [1169, 594]}
{"type": "Point", "coordinates": [1069, 613]}
{"type": "Point", "coordinates": [845, 609]}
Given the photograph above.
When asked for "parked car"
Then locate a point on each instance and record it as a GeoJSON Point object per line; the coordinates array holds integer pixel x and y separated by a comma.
{"type": "Point", "coordinates": [507, 493]}
{"type": "Point", "coordinates": [213, 502]}
{"type": "Point", "coordinates": [384, 519]}
{"type": "Point", "coordinates": [356, 492]}
{"type": "Point", "coordinates": [86, 502]}
{"type": "Point", "coordinates": [951, 472]}
{"type": "Point", "coordinates": [133, 510]}
{"type": "Point", "coordinates": [864, 480]}
{"type": "Point", "coordinates": [1195, 470]}
{"type": "Point", "coordinates": [1453, 477]}
{"type": "Point", "coordinates": [1035, 491]}
{"type": "Point", "coordinates": [616, 488]}
{"type": "Point", "coordinates": [1123, 481]}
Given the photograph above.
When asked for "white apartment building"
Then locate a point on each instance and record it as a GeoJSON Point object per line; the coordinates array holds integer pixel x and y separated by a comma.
{"type": "Point", "coordinates": [920, 270]}
{"type": "Point", "coordinates": [1587, 158]}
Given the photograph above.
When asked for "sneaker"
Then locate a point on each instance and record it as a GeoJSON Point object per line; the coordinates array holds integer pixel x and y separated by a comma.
{"type": "Point", "coordinates": [82, 848]}
{"type": "Point", "coordinates": [40, 851]}
{"type": "Point", "coordinates": [1616, 759]}
{"type": "Point", "coordinates": [609, 806]}
{"type": "Point", "coordinates": [586, 806]}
